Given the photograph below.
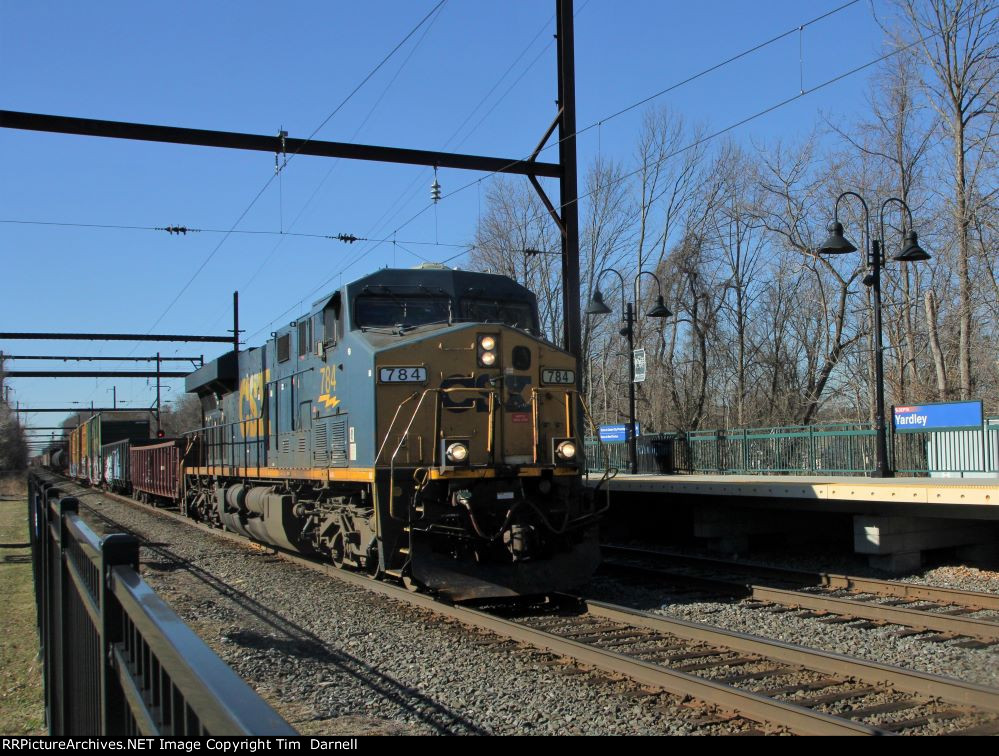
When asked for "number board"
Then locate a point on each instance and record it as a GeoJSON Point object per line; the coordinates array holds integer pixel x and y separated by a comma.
{"type": "Point", "coordinates": [403, 374]}
{"type": "Point", "coordinates": [551, 375]}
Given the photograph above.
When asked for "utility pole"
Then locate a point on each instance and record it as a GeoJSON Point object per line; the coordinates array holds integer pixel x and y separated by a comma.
{"type": "Point", "coordinates": [235, 322]}
{"type": "Point", "coordinates": [568, 191]}
{"type": "Point", "coordinates": [157, 394]}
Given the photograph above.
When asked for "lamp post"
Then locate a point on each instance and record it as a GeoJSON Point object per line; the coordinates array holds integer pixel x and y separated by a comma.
{"type": "Point", "coordinates": [598, 307]}
{"type": "Point", "coordinates": [837, 244]}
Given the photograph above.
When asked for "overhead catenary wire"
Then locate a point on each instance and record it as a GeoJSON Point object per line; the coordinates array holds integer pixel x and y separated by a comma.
{"type": "Point", "coordinates": [599, 122]}
{"type": "Point", "coordinates": [290, 157]}
{"type": "Point", "coordinates": [713, 135]}
{"type": "Point", "coordinates": [357, 131]}
{"type": "Point", "coordinates": [407, 191]}
{"type": "Point", "coordinates": [184, 230]}
{"type": "Point", "coordinates": [645, 100]}
{"type": "Point", "coordinates": [273, 175]}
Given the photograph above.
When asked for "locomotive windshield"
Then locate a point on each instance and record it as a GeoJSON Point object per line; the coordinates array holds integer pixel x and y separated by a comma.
{"type": "Point", "coordinates": [516, 314]}
{"type": "Point", "coordinates": [406, 311]}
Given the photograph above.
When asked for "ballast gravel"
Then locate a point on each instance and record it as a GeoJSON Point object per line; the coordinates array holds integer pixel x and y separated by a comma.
{"type": "Point", "coordinates": [333, 658]}
{"type": "Point", "coordinates": [878, 643]}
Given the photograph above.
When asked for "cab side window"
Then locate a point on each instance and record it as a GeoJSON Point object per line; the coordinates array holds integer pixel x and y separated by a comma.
{"type": "Point", "coordinates": [284, 348]}
{"type": "Point", "coordinates": [331, 322]}
{"type": "Point", "coordinates": [304, 336]}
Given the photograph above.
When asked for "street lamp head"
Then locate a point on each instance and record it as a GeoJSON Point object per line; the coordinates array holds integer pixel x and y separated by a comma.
{"type": "Point", "coordinates": [660, 310]}
{"type": "Point", "coordinates": [836, 243]}
{"type": "Point", "coordinates": [911, 251]}
{"type": "Point", "coordinates": [597, 306]}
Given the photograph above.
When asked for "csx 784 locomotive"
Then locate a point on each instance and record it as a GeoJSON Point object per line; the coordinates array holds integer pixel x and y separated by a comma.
{"type": "Point", "coordinates": [413, 424]}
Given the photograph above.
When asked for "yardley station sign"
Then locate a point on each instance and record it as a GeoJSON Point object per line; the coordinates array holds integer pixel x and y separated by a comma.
{"type": "Point", "coordinates": [938, 417]}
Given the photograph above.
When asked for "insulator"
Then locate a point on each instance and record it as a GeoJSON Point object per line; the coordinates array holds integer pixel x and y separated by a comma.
{"type": "Point", "coordinates": [435, 190]}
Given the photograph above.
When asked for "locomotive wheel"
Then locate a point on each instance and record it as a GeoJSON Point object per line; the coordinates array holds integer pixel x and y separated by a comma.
{"type": "Point", "coordinates": [338, 550]}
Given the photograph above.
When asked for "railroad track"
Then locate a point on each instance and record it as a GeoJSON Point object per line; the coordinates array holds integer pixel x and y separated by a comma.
{"type": "Point", "coordinates": [768, 682]}
{"type": "Point", "coordinates": [931, 613]}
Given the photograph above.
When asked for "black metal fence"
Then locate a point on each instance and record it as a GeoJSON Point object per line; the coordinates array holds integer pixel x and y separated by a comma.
{"type": "Point", "coordinates": [117, 660]}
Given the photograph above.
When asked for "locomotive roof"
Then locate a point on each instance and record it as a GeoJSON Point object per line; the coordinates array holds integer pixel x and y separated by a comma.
{"type": "Point", "coordinates": [455, 283]}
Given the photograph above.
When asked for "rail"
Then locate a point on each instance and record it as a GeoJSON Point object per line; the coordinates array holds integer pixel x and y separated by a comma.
{"type": "Point", "coordinates": [116, 659]}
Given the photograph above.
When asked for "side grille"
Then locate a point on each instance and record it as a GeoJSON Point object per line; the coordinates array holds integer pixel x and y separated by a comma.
{"type": "Point", "coordinates": [338, 442]}
{"type": "Point", "coordinates": [320, 443]}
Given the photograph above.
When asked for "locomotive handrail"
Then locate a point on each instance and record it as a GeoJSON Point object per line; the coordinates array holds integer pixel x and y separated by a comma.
{"type": "Point", "coordinates": [395, 417]}
{"type": "Point", "coordinates": [221, 444]}
{"type": "Point", "coordinates": [409, 425]}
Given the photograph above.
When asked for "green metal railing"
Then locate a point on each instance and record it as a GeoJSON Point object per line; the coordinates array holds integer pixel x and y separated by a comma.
{"type": "Point", "coordinates": [835, 449]}
{"type": "Point", "coordinates": [949, 453]}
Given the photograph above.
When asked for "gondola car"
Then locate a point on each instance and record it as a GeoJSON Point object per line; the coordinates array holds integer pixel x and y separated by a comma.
{"type": "Point", "coordinates": [412, 424]}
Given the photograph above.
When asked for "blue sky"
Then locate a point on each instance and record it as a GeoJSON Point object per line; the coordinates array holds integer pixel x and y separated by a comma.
{"type": "Point", "coordinates": [257, 67]}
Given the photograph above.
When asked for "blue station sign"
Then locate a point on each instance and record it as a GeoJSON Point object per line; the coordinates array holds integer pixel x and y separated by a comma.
{"type": "Point", "coordinates": [617, 434]}
{"type": "Point", "coordinates": [937, 417]}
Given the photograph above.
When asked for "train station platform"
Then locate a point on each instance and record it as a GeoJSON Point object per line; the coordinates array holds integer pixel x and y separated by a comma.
{"type": "Point", "coordinates": [953, 492]}
{"type": "Point", "coordinates": [894, 519]}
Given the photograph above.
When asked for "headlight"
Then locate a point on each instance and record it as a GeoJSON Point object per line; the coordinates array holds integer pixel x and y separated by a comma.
{"type": "Point", "coordinates": [456, 453]}
{"type": "Point", "coordinates": [487, 350]}
{"type": "Point", "coordinates": [566, 450]}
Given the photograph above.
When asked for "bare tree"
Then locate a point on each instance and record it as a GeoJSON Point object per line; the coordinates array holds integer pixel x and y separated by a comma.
{"type": "Point", "coordinates": [959, 40]}
{"type": "Point", "coordinates": [181, 416]}
{"type": "Point", "coordinates": [790, 191]}
{"type": "Point", "coordinates": [13, 446]}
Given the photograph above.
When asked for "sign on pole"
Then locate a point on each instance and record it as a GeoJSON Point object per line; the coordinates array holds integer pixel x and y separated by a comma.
{"type": "Point", "coordinates": [617, 434]}
{"type": "Point", "coordinates": [939, 416]}
{"type": "Point", "coordinates": [639, 358]}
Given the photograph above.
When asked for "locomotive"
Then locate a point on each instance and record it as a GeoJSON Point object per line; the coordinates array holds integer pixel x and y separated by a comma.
{"type": "Point", "coordinates": [413, 424]}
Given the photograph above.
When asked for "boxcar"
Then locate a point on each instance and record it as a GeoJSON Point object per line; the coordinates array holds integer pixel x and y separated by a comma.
{"type": "Point", "coordinates": [86, 460]}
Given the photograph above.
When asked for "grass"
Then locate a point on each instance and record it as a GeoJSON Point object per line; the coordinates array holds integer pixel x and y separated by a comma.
{"type": "Point", "coordinates": [21, 705]}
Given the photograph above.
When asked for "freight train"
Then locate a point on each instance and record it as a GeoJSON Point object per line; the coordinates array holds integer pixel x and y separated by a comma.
{"type": "Point", "coordinates": [412, 424]}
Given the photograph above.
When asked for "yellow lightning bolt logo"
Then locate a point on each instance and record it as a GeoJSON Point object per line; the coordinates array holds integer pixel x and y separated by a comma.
{"type": "Point", "coordinates": [329, 401]}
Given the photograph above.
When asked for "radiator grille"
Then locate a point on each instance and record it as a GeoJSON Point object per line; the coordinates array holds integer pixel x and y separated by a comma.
{"type": "Point", "coordinates": [338, 442]}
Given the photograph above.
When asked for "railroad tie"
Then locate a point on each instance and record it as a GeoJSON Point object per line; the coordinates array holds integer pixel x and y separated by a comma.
{"type": "Point", "coordinates": [692, 655]}
{"type": "Point", "coordinates": [989, 728]}
{"type": "Point", "coordinates": [758, 675]}
{"type": "Point", "coordinates": [831, 698]}
{"type": "Point", "coordinates": [699, 666]}
{"type": "Point", "coordinates": [917, 722]}
{"type": "Point", "coordinates": [974, 644]}
{"type": "Point", "coordinates": [821, 684]}
{"type": "Point", "coordinates": [885, 708]}
{"type": "Point", "coordinates": [941, 638]}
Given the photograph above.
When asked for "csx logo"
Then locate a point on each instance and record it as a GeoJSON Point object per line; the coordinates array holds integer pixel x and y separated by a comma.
{"type": "Point", "coordinates": [461, 401]}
